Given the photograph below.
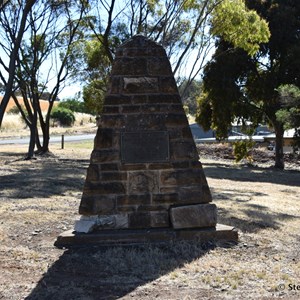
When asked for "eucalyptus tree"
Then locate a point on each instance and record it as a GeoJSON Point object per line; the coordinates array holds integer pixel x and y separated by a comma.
{"type": "Point", "coordinates": [179, 26]}
{"type": "Point", "coordinates": [245, 86]}
{"type": "Point", "coordinates": [42, 62]}
{"type": "Point", "coordinates": [13, 22]}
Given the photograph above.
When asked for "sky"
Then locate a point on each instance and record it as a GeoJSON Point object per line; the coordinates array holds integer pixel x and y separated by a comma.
{"type": "Point", "coordinates": [71, 90]}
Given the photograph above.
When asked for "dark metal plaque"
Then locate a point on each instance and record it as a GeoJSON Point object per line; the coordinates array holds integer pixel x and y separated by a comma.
{"type": "Point", "coordinates": [145, 146]}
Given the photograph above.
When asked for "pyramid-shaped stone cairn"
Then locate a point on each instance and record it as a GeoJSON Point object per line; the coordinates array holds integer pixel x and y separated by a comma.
{"type": "Point", "coordinates": [144, 182]}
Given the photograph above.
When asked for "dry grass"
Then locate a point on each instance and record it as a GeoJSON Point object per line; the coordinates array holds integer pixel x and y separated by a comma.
{"type": "Point", "coordinates": [12, 123]}
{"type": "Point", "coordinates": [14, 126]}
{"type": "Point", "coordinates": [39, 199]}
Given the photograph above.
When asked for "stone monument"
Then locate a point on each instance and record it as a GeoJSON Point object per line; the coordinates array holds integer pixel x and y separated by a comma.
{"type": "Point", "coordinates": [144, 182]}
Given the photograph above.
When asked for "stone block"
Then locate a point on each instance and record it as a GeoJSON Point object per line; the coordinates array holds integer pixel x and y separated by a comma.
{"type": "Point", "coordinates": [159, 166]}
{"type": "Point", "coordinates": [143, 182]}
{"type": "Point", "coordinates": [92, 172]}
{"type": "Point", "coordinates": [135, 52]}
{"type": "Point", "coordinates": [152, 108]}
{"type": "Point", "coordinates": [165, 198]}
{"type": "Point", "coordinates": [100, 156]}
{"type": "Point", "coordinates": [109, 166]}
{"type": "Point", "coordinates": [159, 66]}
{"type": "Point", "coordinates": [183, 150]}
{"type": "Point", "coordinates": [193, 194]}
{"type": "Point", "coordinates": [181, 177]}
{"type": "Point", "coordinates": [131, 109]}
{"type": "Point", "coordinates": [145, 122]}
{"type": "Point", "coordinates": [168, 85]}
{"type": "Point", "coordinates": [113, 121]}
{"type": "Point", "coordinates": [139, 99]}
{"type": "Point", "coordinates": [104, 138]}
{"type": "Point", "coordinates": [118, 221]}
{"type": "Point", "coordinates": [164, 99]}
{"type": "Point", "coordinates": [187, 133]}
{"type": "Point", "coordinates": [129, 66]}
{"type": "Point", "coordinates": [88, 224]}
{"type": "Point", "coordinates": [133, 167]}
{"type": "Point", "coordinates": [111, 109]}
{"type": "Point", "coordinates": [86, 205]}
{"type": "Point", "coordinates": [85, 224]}
{"type": "Point", "coordinates": [176, 120]}
{"type": "Point", "coordinates": [139, 220]}
{"type": "Point", "coordinates": [141, 199]}
{"type": "Point", "coordinates": [114, 87]}
{"type": "Point", "coordinates": [153, 208]}
{"type": "Point", "coordinates": [137, 85]}
{"type": "Point", "coordinates": [194, 216]}
{"type": "Point", "coordinates": [176, 108]}
{"type": "Point", "coordinates": [157, 52]}
{"type": "Point", "coordinates": [113, 176]}
{"type": "Point", "coordinates": [116, 100]}
{"type": "Point", "coordinates": [181, 164]}
{"type": "Point", "coordinates": [103, 188]}
{"type": "Point", "coordinates": [160, 219]}
{"type": "Point", "coordinates": [127, 209]}
{"type": "Point", "coordinates": [104, 205]}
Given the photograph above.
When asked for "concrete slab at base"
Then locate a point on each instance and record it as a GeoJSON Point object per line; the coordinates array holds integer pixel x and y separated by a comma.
{"type": "Point", "coordinates": [128, 237]}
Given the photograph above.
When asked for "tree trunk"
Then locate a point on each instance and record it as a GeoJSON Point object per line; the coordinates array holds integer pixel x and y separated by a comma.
{"type": "Point", "coordinates": [46, 138]}
{"type": "Point", "coordinates": [279, 160]}
{"type": "Point", "coordinates": [13, 58]}
{"type": "Point", "coordinates": [30, 153]}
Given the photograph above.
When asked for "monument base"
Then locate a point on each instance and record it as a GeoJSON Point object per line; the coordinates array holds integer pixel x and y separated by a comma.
{"type": "Point", "coordinates": [128, 237]}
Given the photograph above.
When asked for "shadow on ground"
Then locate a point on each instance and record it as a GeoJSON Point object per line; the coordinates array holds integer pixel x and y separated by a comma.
{"type": "Point", "coordinates": [250, 217]}
{"type": "Point", "coordinates": [41, 178]}
{"type": "Point", "coordinates": [252, 174]}
{"type": "Point", "coordinates": [256, 219]}
{"type": "Point", "coordinates": [95, 273]}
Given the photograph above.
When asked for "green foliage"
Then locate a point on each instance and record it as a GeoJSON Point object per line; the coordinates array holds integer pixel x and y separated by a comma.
{"type": "Point", "coordinates": [93, 97]}
{"type": "Point", "coordinates": [242, 150]}
{"type": "Point", "coordinates": [74, 105]}
{"type": "Point", "coordinates": [242, 27]}
{"type": "Point", "coordinates": [14, 110]}
{"type": "Point", "coordinates": [186, 109]}
{"type": "Point", "coordinates": [240, 86]}
{"type": "Point", "coordinates": [204, 114]}
{"type": "Point", "coordinates": [63, 115]}
{"type": "Point", "coordinates": [189, 94]}
{"type": "Point", "coordinates": [289, 114]}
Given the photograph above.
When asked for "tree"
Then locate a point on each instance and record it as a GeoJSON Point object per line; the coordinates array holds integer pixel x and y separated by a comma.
{"type": "Point", "coordinates": [74, 104]}
{"type": "Point", "coordinates": [289, 114]}
{"type": "Point", "coordinates": [245, 87]}
{"type": "Point", "coordinates": [189, 93]}
{"type": "Point", "coordinates": [50, 33]}
{"type": "Point", "coordinates": [179, 26]}
{"type": "Point", "coordinates": [91, 59]}
{"type": "Point", "coordinates": [18, 13]}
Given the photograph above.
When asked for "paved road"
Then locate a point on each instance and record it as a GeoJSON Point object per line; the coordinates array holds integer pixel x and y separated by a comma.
{"type": "Point", "coordinates": [53, 139]}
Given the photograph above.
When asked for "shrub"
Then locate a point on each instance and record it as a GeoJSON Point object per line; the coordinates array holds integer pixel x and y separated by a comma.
{"type": "Point", "coordinates": [242, 149]}
{"type": "Point", "coordinates": [64, 115]}
{"type": "Point", "coordinates": [14, 110]}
